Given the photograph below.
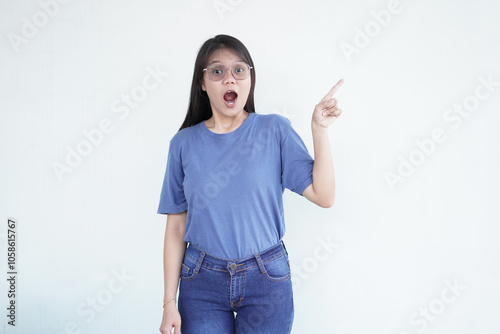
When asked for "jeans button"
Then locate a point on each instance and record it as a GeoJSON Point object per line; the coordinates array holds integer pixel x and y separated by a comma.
{"type": "Point", "coordinates": [233, 266]}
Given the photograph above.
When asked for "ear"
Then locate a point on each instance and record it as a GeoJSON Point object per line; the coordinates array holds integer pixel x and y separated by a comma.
{"type": "Point", "coordinates": [203, 86]}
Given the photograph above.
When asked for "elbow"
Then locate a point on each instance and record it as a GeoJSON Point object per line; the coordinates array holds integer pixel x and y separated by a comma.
{"type": "Point", "coordinates": [327, 198]}
{"type": "Point", "coordinates": [327, 204]}
{"type": "Point", "coordinates": [322, 200]}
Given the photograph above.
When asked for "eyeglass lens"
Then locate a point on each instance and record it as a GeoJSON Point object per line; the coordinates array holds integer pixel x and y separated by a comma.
{"type": "Point", "coordinates": [217, 72]}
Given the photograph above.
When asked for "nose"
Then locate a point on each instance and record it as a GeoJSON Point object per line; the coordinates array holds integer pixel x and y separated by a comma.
{"type": "Point", "coordinates": [228, 77]}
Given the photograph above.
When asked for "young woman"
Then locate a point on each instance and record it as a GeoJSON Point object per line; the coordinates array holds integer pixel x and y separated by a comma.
{"type": "Point", "coordinates": [227, 168]}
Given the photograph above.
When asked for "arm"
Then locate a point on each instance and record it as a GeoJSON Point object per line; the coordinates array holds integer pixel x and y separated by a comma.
{"type": "Point", "coordinates": [173, 254]}
{"type": "Point", "coordinates": [322, 190]}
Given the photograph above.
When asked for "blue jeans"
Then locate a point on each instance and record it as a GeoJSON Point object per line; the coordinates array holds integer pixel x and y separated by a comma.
{"type": "Point", "coordinates": [252, 295]}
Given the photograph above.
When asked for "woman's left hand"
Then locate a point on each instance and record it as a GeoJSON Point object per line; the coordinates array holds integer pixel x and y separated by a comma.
{"type": "Point", "coordinates": [327, 110]}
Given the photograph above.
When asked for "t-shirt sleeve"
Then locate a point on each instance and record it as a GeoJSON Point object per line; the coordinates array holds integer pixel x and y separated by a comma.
{"type": "Point", "coordinates": [296, 162]}
{"type": "Point", "coordinates": [172, 199]}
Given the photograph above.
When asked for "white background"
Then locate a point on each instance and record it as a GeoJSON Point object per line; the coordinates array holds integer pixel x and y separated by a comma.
{"type": "Point", "coordinates": [396, 246]}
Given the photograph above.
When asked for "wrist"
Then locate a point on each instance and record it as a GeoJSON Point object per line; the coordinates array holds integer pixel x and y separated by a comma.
{"type": "Point", "coordinates": [168, 302]}
{"type": "Point", "coordinates": [318, 129]}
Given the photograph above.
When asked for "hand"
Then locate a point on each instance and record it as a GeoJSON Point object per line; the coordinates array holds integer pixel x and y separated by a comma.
{"type": "Point", "coordinates": [327, 110]}
{"type": "Point", "coordinates": [171, 319]}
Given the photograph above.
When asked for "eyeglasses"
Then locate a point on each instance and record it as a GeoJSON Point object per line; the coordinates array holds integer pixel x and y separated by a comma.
{"type": "Point", "coordinates": [239, 70]}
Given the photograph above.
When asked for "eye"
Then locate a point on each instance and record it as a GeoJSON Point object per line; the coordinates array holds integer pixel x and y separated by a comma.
{"type": "Point", "coordinates": [215, 70]}
{"type": "Point", "coordinates": [240, 69]}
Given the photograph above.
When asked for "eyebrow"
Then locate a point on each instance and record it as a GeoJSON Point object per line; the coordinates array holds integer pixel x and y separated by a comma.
{"type": "Point", "coordinates": [218, 61]}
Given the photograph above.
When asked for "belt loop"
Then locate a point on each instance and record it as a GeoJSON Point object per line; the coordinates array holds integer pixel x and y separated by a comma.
{"type": "Point", "coordinates": [200, 260]}
{"type": "Point", "coordinates": [259, 261]}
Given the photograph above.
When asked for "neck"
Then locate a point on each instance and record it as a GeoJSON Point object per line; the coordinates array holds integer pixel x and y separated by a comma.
{"type": "Point", "coordinates": [224, 124]}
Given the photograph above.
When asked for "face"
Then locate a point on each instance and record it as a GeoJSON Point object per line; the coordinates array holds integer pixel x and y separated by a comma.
{"type": "Point", "coordinates": [221, 101]}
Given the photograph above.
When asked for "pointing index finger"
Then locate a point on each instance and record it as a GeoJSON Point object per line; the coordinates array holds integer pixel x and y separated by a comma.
{"type": "Point", "coordinates": [334, 89]}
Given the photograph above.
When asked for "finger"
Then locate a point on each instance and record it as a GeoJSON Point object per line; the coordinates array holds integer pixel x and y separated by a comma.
{"type": "Point", "coordinates": [332, 102]}
{"type": "Point", "coordinates": [336, 113]}
{"type": "Point", "coordinates": [334, 89]}
{"type": "Point", "coordinates": [328, 104]}
{"type": "Point", "coordinates": [332, 112]}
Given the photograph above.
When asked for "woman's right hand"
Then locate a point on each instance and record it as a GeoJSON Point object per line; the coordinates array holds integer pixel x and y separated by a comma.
{"type": "Point", "coordinates": [171, 319]}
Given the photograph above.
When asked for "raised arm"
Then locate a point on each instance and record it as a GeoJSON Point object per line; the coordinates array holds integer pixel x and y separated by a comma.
{"type": "Point", "coordinates": [322, 189]}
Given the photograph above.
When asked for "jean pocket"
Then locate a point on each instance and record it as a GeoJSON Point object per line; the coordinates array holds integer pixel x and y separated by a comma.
{"type": "Point", "coordinates": [277, 269]}
{"type": "Point", "coordinates": [188, 269]}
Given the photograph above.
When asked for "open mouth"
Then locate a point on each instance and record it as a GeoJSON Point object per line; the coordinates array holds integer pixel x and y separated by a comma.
{"type": "Point", "coordinates": [230, 98]}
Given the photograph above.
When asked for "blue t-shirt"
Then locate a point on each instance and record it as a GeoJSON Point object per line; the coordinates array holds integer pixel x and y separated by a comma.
{"type": "Point", "coordinates": [232, 184]}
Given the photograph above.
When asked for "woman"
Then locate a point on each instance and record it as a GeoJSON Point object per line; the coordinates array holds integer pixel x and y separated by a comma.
{"type": "Point", "coordinates": [226, 172]}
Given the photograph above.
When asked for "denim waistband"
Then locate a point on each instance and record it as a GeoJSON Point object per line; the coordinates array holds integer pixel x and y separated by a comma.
{"type": "Point", "coordinates": [209, 261]}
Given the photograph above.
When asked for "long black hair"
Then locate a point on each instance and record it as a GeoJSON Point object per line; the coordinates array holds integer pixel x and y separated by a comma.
{"type": "Point", "coordinates": [199, 104]}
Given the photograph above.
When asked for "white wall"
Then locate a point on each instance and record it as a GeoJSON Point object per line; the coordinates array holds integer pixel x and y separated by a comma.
{"type": "Point", "coordinates": [395, 250]}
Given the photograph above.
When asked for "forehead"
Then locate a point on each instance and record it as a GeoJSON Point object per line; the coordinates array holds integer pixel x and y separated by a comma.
{"type": "Point", "coordinates": [223, 56]}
